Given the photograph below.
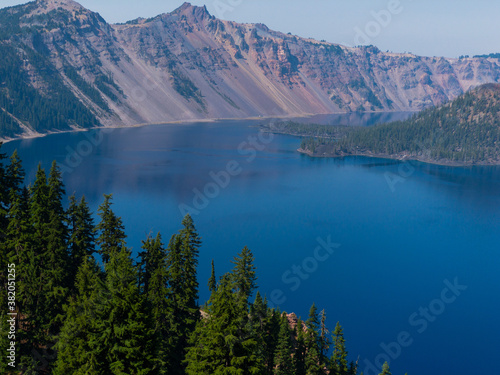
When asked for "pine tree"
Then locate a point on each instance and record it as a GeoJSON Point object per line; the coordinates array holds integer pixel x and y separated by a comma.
{"type": "Point", "coordinates": [324, 340]}
{"type": "Point", "coordinates": [212, 281]}
{"type": "Point", "coordinates": [385, 369]}
{"type": "Point", "coordinates": [4, 190]}
{"type": "Point", "coordinates": [183, 309]}
{"type": "Point", "coordinates": [220, 343]}
{"type": "Point", "coordinates": [11, 178]}
{"type": "Point", "coordinates": [338, 361]}
{"type": "Point", "coordinates": [14, 173]}
{"type": "Point", "coordinates": [19, 250]}
{"type": "Point", "coordinates": [272, 338]}
{"type": "Point", "coordinates": [210, 345]}
{"type": "Point", "coordinates": [81, 233]}
{"type": "Point", "coordinates": [151, 259]}
{"type": "Point", "coordinates": [56, 254]}
{"type": "Point", "coordinates": [284, 360]}
{"type": "Point", "coordinates": [77, 352]}
{"type": "Point", "coordinates": [48, 263]}
{"type": "Point", "coordinates": [314, 365]}
{"type": "Point", "coordinates": [244, 273]}
{"type": "Point", "coordinates": [154, 283]}
{"type": "Point", "coordinates": [111, 237]}
{"type": "Point", "coordinates": [265, 323]}
{"type": "Point", "coordinates": [125, 332]}
{"type": "Point", "coordinates": [4, 250]}
{"type": "Point", "coordinates": [300, 351]}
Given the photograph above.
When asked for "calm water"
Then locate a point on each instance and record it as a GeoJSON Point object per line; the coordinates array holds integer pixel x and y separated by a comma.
{"type": "Point", "coordinates": [395, 235]}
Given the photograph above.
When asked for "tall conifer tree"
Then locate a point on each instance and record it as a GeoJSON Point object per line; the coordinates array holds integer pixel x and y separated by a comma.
{"type": "Point", "coordinates": [125, 331]}
{"type": "Point", "coordinates": [244, 275]}
{"type": "Point", "coordinates": [313, 361]}
{"type": "Point", "coordinates": [338, 361]}
{"type": "Point", "coordinates": [300, 351]}
{"type": "Point", "coordinates": [154, 283]}
{"type": "Point", "coordinates": [111, 231]}
{"type": "Point", "coordinates": [183, 311]}
{"type": "Point", "coordinates": [81, 233]}
{"type": "Point", "coordinates": [78, 350]}
{"type": "Point", "coordinates": [212, 281]}
{"type": "Point", "coordinates": [284, 360]}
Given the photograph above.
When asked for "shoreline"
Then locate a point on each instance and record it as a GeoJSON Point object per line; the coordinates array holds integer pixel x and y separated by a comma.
{"type": "Point", "coordinates": [172, 122]}
{"type": "Point", "coordinates": [186, 121]}
{"type": "Point", "coordinates": [444, 163]}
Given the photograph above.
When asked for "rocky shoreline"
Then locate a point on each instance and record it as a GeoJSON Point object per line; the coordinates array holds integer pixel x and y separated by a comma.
{"type": "Point", "coordinates": [402, 158]}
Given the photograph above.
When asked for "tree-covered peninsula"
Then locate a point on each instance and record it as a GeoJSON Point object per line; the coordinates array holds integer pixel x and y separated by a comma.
{"type": "Point", "coordinates": [465, 131]}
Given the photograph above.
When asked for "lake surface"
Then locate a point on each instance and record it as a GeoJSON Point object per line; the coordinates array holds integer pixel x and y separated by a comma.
{"type": "Point", "coordinates": [387, 248]}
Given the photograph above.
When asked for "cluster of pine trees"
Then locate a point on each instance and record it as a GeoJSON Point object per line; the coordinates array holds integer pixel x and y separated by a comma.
{"type": "Point", "coordinates": [466, 130]}
{"type": "Point", "coordinates": [53, 107]}
{"type": "Point", "coordinates": [86, 306]}
{"type": "Point", "coordinates": [32, 90]}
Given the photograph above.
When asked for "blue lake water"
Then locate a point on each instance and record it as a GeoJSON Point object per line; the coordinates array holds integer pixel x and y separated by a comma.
{"type": "Point", "coordinates": [387, 248]}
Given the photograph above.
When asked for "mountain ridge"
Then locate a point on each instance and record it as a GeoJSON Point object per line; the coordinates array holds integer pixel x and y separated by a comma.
{"type": "Point", "coordinates": [188, 65]}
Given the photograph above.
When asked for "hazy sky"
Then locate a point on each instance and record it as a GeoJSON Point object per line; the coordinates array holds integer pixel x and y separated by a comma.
{"type": "Point", "coordinates": [425, 27]}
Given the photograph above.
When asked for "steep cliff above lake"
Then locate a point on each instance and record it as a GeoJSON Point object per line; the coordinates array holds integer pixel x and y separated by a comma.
{"type": "Point", "coordinates": [64, 67]}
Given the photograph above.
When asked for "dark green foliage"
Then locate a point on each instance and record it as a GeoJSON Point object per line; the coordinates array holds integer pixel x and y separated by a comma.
{"type": "Point", "coordinates": [10, 19]}
{"type": "Point", "coordinates": [108, 87]}
{"type": "Point", "coordinates": [153, 278]}
{"type": "Point", "coordinates": [227, 340]}
{"type": "Point", "coordinates": [81, 233]}
{"type": "Point", "coordinates": [110, 229]}
{"type": "Point", "coordinates": [265, 323]}
{"type": "Point", "coordinates": [324, 341]}
{"type": "Point", "coordinates": [90, 91]}
{"type": "Point", "coordinates": [244, 274]}
{"type": "Point", "coordinates": [300, 351]}
{"type": "Point", "coordinates": [490, 56]}
{"type": "Point", "coordinates": [212, 281]}
{"type": "Point", "coordinates": [284, 359]}
{"type": "Point", "coordinates": [314, 360]}
{"type": "Point", "coordinates": [50, 249]}
{"type": "Point", "coordinates": [55, 109]}
{"type": "Point", "coordinates": [50, 106]}
{"type": "Point", "coordinates": [77, 349]}
{"type": "Point", "coordinates": [187, 89]}
{"type": "Point", "coordinates": [464, 131]}
{"type": "Point", "coordinates": [338, 361]}
{"type": "Point", "coordinates": [125, 329]}
{"type": "Point", "coordinates": [4, 196]}
{"type": "Point", "coordinates": [183, 309]}
{"type": "Point", "coordinates": [305, 130]}
{"type": "Point", "coordinates": [76, 317]}
{"type": "Point", "coordinates": [222, 342]}
{"type": "Point", "coordinates": [385, 369]}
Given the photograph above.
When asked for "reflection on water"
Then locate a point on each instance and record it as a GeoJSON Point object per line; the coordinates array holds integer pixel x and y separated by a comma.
{"type": "Point", "coordinates": [355, 118]}
{"type": "Point", "coordinates": [397, 245]}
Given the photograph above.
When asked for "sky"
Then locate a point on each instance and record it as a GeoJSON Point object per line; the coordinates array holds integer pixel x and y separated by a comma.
{"type": "Point", "coordinates": [449, 28]}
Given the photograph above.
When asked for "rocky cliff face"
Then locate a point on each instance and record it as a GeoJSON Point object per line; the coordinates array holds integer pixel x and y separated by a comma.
{"type": "Point", "coordinates": [189, 65]}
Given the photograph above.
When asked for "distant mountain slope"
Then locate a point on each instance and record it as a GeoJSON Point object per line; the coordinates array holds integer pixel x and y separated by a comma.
{"type": "Point", "coordinates": [72, 69]}
{"type": "Point", "coordinates": [465, 131]}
